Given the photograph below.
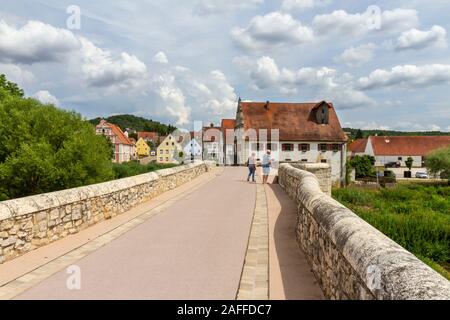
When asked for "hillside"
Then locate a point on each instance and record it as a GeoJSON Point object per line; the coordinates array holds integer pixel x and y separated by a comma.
{"type": "Point", "coordinates": [137, 123]}
{"type": "Point", "coordinates": [358, 133]}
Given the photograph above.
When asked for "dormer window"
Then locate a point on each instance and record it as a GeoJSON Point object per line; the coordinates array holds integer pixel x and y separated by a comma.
{"type": "Point", "coordinates": [322, 113]}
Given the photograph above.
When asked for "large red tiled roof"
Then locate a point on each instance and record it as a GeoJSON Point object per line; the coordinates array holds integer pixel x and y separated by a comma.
{"type": "Point", "coordinates": [296, 121]}
{"type": "Point", "coordinates": [408, 146]}
{"type": "Point", "coordinates": [358, 146]}
{"type": "Point", "coordinates": [148, 135]}
{"type": "Point", "coordinates": [120, 136]}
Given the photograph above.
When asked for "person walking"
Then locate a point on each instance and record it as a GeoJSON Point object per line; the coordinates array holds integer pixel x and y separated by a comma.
{"type": "Point", "coordinates": [266, 165]}
{"type": "Point", "coordinates": [251, 163]}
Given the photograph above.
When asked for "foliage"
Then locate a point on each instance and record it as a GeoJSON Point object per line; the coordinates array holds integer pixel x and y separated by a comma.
{"type": "Point", "coordinates": [133, 168]}
{"type": "Point", "coordinates": [363, 165]}
{"type": "Point", "coordinates": [45, 149]}
{"type": "Point", "coordinates": [438, 162]}
{"type": "Point", "coordinates": [10, 87]}
{"type": "Point", "coordinates": [137, 123]}
{"type": "Point", "coordinates": [409, 163]}
{"type": "Point", "coordinates": [416, 217]}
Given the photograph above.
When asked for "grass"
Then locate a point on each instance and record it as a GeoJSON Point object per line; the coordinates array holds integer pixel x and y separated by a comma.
{"type": "Point", "coordinates": [129, 169]}
{"type": "Point", "coordinates": [415, 216]}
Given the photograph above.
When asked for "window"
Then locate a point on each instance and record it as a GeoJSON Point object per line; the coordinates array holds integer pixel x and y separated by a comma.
{"type": "Point", "coordinates": [288, 160]}
{"type": "Point", "coordinates": [167, 143]}
{"type": "Point", "coordinates": [304, 160]}
{"type": "Point", "coordinates": [287, 147]}
{"type": "Point", "coordinates": [167, 159]}
{"type": "Point", "coordinates": [323, 147]}
{"type": "Point", "coordinates": [160, 158]}
{"type": "Point", "coordinates": [323, 161]}
{"type": "Point", "coordinates": [173, 143]}
{"type": "Point", "coordinates": [400, 158]}
{"type": "Point", "coordinates": [336, 147]}
{"type": "Point", "coordinates": [304, 147]}
{"type": "Point", "coordinates": [272, 146]}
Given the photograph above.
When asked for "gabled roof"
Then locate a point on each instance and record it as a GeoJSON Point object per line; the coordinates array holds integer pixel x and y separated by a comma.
{"type": "Point", "coordinates": [358, 146]}
{"type": "Point", "coordinates": [296, 121]}
{"type": "Point", "coordinates": [121, 138]}
{"type": "Point", "coordinates": [148, 135]}
{"type": "Point", "coordinates": [408, 145]}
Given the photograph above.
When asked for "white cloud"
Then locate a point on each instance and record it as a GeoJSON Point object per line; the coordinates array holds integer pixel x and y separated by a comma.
{"type": "Point", "coordinates": [301, 5]}
{"type": "Point", "coordinates": [417, 39]}
{"type": "Point", "coordinates": [407, 76]}
{"type": "Point", "coordinates": [272, 30]}
{"type": "Point", "coordinates": [210, 7]}
{"type": "Point", "coordinates": [346, 24]}
{"type": "Point", "coordinates": [17, 74]}
{"type": "Point", "coordinates": [35, 42]}
{"type": "Point", "coordinates": [46, 97]}
{"type": "Point", "coordinates": [160, 57]}
{"type": "Point", "coordinates": [357, 56]}
{"type": "Point", "coordinates": [324, 81]}
{"type": "Point", "coordinates": [101, 70]}
{"type": "Point", "coordinates": [174, 100]}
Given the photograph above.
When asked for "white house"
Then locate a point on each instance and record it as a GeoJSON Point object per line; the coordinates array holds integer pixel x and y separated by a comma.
{"type": "Point", "coordinates": [193, 149]}
{"type": "Point", "coordinates": [297, 132]}
{"type": "Point", "coordinates": [399, 148]}
{"type": "Point", "coordinates": [213, 144]}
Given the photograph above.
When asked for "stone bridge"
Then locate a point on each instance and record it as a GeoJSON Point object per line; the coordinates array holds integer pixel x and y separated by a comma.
{"type": "Point", "coordinates": [203, 232]}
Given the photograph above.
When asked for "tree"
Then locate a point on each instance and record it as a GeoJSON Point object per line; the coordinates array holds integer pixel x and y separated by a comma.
{"type": "Point", "coordinates": [364, 166]}
{"type": "Point", "coordinates": [10, 87]}
{"type": "Point", "coordinates": [46, 149]}
{"type": "Point", "coordinates": [438, 163]}
{"type": "Point", "coordinates": [359, 134]}
{"type": "Point", "coordinates": [409, 163]}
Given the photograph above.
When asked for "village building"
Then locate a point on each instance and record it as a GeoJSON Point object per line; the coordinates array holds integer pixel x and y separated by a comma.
{"type": "Point", "coordinates": [389, 151]}
{"type": "Point", "coordinates": [142, 148]}
{"type": "Point", "coordinates": [124, 148]}
{"type": "Point", "coordinates": [152, 138]}
{"type": "Point", "coordinates": [167, 151]}
{"type": "Point", "coordinates": [304, 132]}
{"type": "Point", "coordinates": [193, 149]}
{"type": "Point", "coordinates": [213, 144]}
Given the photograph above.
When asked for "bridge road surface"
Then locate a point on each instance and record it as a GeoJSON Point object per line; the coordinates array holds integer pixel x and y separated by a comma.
{"type": "Point", "coordinates": [195, 249]}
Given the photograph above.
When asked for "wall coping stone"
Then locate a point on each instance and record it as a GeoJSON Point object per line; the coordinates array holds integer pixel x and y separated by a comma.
{"type": "Point", "coordinates": [28, 205]}
{"type": "Point", "coordinates": [403, 276]}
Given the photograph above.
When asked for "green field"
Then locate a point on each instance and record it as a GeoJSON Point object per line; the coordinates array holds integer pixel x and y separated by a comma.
{"type": "Point", "coordinates": [415, 216]}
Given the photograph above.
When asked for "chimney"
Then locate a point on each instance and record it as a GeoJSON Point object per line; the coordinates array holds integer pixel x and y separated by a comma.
{"type": "Point", "coordinates": [267, 105]}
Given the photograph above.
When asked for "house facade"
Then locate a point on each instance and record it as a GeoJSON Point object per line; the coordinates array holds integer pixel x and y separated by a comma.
{"type": "Point", "coordinates": [295, 132]}
{"type": "Point", "coordinates": [124, 148]}
{"type": "Point", "coordinates": [142, 148]}
{"type": "Point", "coordinates": [398, 149]}
{"type": "Point", "coordinates": [149, 137]}
{"type": "Point", "coordinates": [213, 144]}
{"type": "Point", "coordinates": [193, 149]}
{"type": "Point", "coordinates": [167, 149]}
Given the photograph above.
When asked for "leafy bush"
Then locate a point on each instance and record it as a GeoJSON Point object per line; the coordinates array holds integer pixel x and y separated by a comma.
{"type": "Point", "coordinates": [438, 162]}
{"type": "Point", "coordinates": [364, 166]}
{"type": "Point", "coordinates": [46, 149]}
{"type": "Point", "coordinates": [416, 217]}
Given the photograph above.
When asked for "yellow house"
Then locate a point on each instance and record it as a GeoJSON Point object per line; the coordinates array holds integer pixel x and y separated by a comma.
{"type": "Point", "coordinates": [142, 148]}
{"type": "Point", "coordinates": [166, 150]}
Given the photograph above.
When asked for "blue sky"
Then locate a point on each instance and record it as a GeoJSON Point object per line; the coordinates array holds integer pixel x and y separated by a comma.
{"type": "Point", "coordinates": [384, 64]}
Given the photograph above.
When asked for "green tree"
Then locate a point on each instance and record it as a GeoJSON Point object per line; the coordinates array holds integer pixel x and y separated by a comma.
{"type": "Point", "coordinates": [364, 166]}
{"type": "Point", "coordinates": [359, 134]}
{"type": "Point", "coordinates": [409, 163]}
{"type": "Point", "coordinates": [10, 87]}
{"type": "Point", "coordinates": [46, 149]}
{"type": "Point", "coordinates": [438, 163]}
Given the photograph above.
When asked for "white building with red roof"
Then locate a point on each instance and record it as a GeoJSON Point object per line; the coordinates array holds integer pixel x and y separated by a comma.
{"type": "Point", "coordinates": [124, 148]}
{"type": "Point", "coordinates": [398, 149]}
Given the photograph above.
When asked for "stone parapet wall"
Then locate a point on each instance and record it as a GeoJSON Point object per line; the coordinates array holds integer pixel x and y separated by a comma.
{"type": "Point", "coordinates": [32, 222]}
{"type": "Point", "coordinates": [350, 258]}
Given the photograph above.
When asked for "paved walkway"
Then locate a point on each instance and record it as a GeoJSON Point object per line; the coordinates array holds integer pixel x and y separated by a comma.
{"type": "Point", "coordinates": [215, 237]}
{"type": "Point", "coordinates": [192, 250]}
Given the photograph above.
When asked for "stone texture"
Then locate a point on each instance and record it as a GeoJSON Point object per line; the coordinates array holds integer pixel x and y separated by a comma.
{"type": "Point", "coordinates": [35, 221]}
{"type": "Point", "coordinates": [350, 258]}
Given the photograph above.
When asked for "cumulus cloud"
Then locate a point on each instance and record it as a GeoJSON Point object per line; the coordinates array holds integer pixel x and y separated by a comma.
{"type": "Point", "coordinates": [325, 82]}
{"type": "Point", "coordinates": [272, 30]}
{"type": "Point", "coordinates": [46, 97]}
{"type": "Point", "coordinates": [343, 23]}
{"type": "Point", "coordinates": [357, 56]}
{"type": "Point", "coordinates": [301, 5]}
{"type": "Point", "coordinates": [409, 76]}
{"type": "Point", "coordinates": [160, 57]}
{"type": "Point", "coordinates": [210, 7]}
{"type": "Point", "coordinates": [17, 74]}
{"type": "Point", "coordinates": [35, 42]}
{"type": "Point", "coordinates": [417, 39]}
